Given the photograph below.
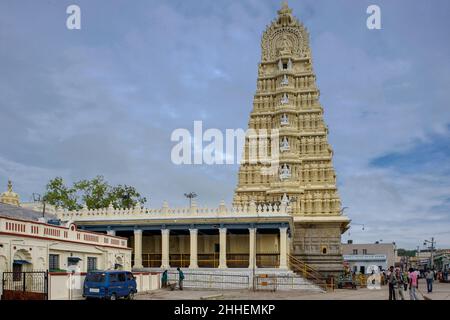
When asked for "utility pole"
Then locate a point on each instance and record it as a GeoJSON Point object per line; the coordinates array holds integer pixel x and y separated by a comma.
{"type": "Point", "coordinates": [432, 248]}
{"type": "Point", "coordinates": [37, 198]}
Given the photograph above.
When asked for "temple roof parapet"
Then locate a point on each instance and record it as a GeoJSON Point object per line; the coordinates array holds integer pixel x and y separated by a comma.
{"type": "Point", "coordinates": [250, 210]}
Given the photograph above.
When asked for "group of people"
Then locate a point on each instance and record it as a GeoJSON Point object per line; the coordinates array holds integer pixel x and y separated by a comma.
{"type": "Point", "coordinates": [165, 279]}
{"type": "Point", "coordinates": [399, 282]}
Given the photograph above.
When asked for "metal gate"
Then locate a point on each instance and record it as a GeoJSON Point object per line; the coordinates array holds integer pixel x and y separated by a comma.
{"type": "Point", "coordinates": [32, 285]}
{"type": "Point", "coordinates": [211, 280]}
{"type": "Point", "coordinates": [264, 282]}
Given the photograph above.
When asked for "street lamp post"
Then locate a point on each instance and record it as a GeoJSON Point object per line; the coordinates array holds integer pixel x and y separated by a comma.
{"type": "Point", "coordinates": [190, 196]}
{"type": "Point", "coordinates": [432, 247]}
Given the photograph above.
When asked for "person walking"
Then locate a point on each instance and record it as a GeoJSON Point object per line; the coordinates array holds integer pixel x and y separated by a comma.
{"type": "Point", "coordinates": [399, 285]}
{"type": "Point", "coordinates": [429, 276]}
{"type": "Point", "coordinates": [405, 280]}
{"type": "Point", "coordinates": [413, 284]}
{"type": "Point", "coordinates": [164, 279]}
{"type": "Point", "coordinates": [392, 281]}
{"type": "Point", "coordinates": [180, 278]}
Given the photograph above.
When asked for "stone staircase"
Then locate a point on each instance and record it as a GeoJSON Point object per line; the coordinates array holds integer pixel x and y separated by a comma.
{"type": "Point", "coordinates": [289, 280]}
{"type": "Point", "coordinates": [308, 273]}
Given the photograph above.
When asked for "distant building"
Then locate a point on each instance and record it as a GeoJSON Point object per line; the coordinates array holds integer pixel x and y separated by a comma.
{"type": "Point", "coordinates": [28, 243]}
{"type": "Point", "coordinates": [442, 260]}
{"type": "Point", "coordinates": [422, 259]}
{"type": "Point", "coordinates": [360, 256]}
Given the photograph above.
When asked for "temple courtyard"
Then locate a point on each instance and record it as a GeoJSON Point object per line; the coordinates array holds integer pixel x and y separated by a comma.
{"type": "Point", "coordinates": [441, 291]}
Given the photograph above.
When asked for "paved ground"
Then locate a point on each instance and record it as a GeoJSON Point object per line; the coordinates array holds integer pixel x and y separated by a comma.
{"type": "Point", "coordinates": [441, 292]}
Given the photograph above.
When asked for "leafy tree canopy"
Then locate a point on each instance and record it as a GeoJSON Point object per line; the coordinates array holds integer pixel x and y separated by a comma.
{"type": "Point", "coordinates": [94, 194]}
{"type": "Point", "coordinates": [406, 253]}
{"type": "Point", "coordinates": [59, 195]}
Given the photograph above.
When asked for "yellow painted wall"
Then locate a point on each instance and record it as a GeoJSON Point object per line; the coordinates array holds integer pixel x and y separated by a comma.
{"type": "Point", "coordinates": [236, 243]}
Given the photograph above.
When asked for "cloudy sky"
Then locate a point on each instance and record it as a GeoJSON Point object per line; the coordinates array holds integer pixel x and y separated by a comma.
{"type": "Point", "coordinates": [105, 99]}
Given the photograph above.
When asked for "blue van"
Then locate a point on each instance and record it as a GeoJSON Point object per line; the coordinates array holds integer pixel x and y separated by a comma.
{"type": "Point", "coordinates": [109, 285]}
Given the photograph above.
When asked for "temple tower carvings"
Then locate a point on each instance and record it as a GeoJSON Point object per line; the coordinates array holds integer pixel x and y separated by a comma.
{"type": "Point", "coordinates": [286, 107]}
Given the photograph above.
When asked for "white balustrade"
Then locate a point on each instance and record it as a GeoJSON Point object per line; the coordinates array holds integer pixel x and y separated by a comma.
{"type": "Point", "coordinates": [110, 213]}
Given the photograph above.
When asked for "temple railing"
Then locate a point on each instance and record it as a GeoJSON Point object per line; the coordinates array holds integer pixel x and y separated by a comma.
{"type": "Point", "coordinates": [309, 273]}
{"type": "Point", "coordinates": [111, 213]}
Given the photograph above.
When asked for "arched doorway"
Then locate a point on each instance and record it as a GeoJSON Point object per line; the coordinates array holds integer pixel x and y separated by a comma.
{"type": "Point", "coordinates": [22, 261]}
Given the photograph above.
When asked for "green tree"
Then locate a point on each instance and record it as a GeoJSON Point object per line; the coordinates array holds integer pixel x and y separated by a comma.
{"type": "Point", "coordinates": [95, 193]}
{"type": "Point", "coordinates": [123, 196]}
{"type": "Point", "coordinates": [406, 253]}
{"type": "Point", "coordinates": [59, 195]}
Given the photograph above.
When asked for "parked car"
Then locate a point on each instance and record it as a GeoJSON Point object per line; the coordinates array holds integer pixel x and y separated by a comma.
{"type": "Point", "coordinates": [110, 285]}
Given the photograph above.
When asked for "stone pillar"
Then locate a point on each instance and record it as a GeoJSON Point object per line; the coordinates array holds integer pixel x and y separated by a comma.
{"type": "Point", "coordinates": [283, 248]}
{"type": "Point", "coordinates": [223, 248]}
{"type": "Point", "coordinates": [165, 263]}
{"type": "Point", "coordinates": [194, 262]}
{"type": "Point", "coordinates": [111, 232]}
{"type": "Point", "coordinates": [252, 243]}
{"type": "Point", "coordinates": [138, 249]}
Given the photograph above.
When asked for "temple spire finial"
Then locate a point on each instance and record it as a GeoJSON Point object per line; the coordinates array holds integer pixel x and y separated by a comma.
{"type": "Point", "coordinates": [285, 14]}
{"type": "Point", "coordinates": [9, 196]}
{"type": "Point", "coordinates": [285, 8]}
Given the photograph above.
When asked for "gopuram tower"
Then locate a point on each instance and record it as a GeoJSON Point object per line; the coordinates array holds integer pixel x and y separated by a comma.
{"type": "Point", "coordinates": [287, 113]}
